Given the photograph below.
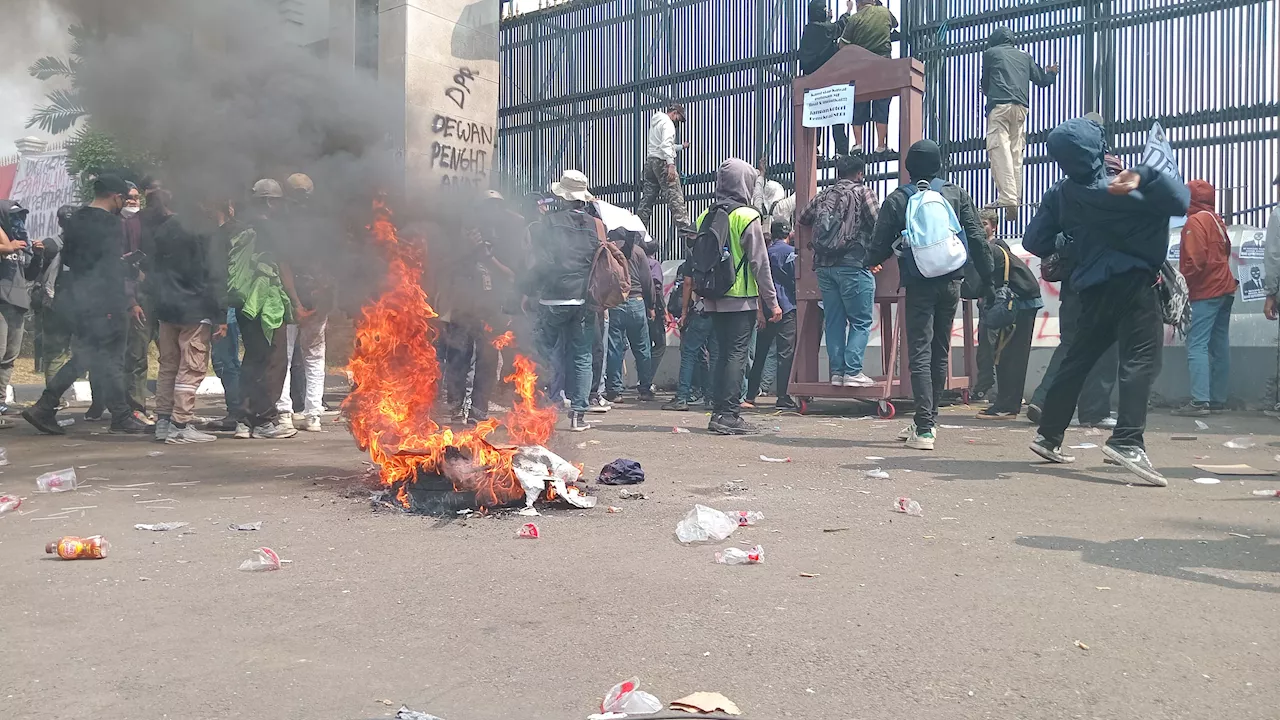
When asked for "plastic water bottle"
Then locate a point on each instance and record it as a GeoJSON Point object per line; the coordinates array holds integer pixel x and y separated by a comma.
{"type": "Point", "coordinates": [1267, 493]}
{"type": "Point", "coordinates": [908, 506]}
{"type": "Point", "coordinates": [78, 548]}
{"type": "Point", "coordinates": [746, 517]}
{"type": "Point", "coordinates": [738, 556]}
{"type": "Point", "coordinates": [4, 457]}
{"type": "Point", "coordinates": [9, 503]}
{"type": "Point", "coordinates": [57, 481]}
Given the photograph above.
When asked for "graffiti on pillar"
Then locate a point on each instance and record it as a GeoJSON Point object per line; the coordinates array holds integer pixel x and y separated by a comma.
{"type": "Point", "coordinates": [462, 150]}
{"type": "Point", "coordinates": [461, 89]}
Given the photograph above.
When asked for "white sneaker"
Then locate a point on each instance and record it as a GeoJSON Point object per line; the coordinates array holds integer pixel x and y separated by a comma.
{"type": "Point", "coordinates": [163, 428]}
{"type": "Point", "coordinates": [907, 432]}
{"type": "Point", "coordinates": [600, 405]}
{"type": "Point", "coordinates": [311, 424]}
{"type": "Point", "coordinates": [921, 441]}
{"type": "Point", "coordinates": [1106, 423]}
{"type": "Point", "coordinates": [242, 431]}
{"type": "Point", "coordinates": [285, 420]}
{"type": "Point", "coordinates": [837, 381]}
{"type": "Point", "coordinates": [859, 380]}
{"type": "Point", "coordinates": [183, 436]}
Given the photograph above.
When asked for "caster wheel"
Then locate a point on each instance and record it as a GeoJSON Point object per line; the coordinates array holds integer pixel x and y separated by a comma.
{"type": "Point", "coordinates": [804, 406]}
{"type": "Point", "coordinates": [886, 410]}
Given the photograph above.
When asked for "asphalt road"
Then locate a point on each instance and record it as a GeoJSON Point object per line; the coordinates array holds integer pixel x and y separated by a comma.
{"type": "Point", "coordinates": [978, 609]}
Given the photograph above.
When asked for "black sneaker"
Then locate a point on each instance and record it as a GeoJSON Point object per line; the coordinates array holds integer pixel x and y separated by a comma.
{"type": "Point", "coordinates": [46, 421]}
{"type": "Point", "coordinates": [677, 404]}
{"type": "Point", "coordinates": [1135, 460]}
{"type": "Point", "coordinates": [731, 425]}
{"type": "Point", "coordinates": [646, 396]}
{"type": "Point", "coordinates": [94, 413]}
{"type": "Point", "coordinates": [1217, 408]}
{"type": "Point", "coordinates": [1193, 409]}
{"type": "Point", "coordinates": [613, 397]}
{"type": "Point", "coordinates": [578, 422]}
{"type": "Point", "coordinates": [994, 413]}
{"type": "Point", "coordinates": [787, 405]}
{"type": "Point", "coordinates": [1033, 412]}
{"type": "Point", "coordinates": [1050, 451]}
{"type": "Point", "coordinates": [129, 425]}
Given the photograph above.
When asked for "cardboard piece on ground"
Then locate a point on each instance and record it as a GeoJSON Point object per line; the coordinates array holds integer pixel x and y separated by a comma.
{"type": "Point", "coordinates": [706, 702]}
{"type": "Point", "coordinates": [1233, 470]}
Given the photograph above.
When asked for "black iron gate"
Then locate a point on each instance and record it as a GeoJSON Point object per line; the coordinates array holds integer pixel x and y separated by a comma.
{"type": "Point", "coordinates": [580, 81]}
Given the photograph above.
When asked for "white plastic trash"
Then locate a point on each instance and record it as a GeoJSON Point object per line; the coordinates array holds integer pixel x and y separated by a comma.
{"type": "Point", "coordinates": [703, 524]}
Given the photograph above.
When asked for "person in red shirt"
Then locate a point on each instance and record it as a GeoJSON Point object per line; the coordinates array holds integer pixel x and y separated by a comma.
{"type": "Point", "coordinates": [1204, 260]}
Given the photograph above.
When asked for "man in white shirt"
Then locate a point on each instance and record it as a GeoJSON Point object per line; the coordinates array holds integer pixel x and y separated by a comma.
{"type": "Point", "coordinates": [659, 179]}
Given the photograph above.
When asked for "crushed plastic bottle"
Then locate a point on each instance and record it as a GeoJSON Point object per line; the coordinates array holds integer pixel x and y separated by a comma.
{"type": "Point", "coordinates": [528, 531]}
{"type": "Point", "coordinates": [908, 506]}
{"type": "Point", "coordinates": [746, 517]}
{"type": "Point", "coordinates": [57, 481]}
{"type": "Point", "coordinates": [9, 503]}
{"type": "Point", "coordinates": [1240, 443]}
{"type": "Point", "coordinates": [66, 422]}
{"type": "Point", "coordinates": [679, 430]}
{"type": "Point", "coordinates": [1259, 493]}
{"type": "Point", "coordinates": [626, 698]}
{"type": "Point", "coordinates": [738, 556]}
{"type": "Point", "coordinates": [704, 523]}
{"type": "Point", "coordinates": [4, 457]}
{"type": "Point", "coordinates": [876, 474]}
{"type": "Point", "coordinates": [264, 559]}
{"type": "Point", "coordinates": [78, 548]}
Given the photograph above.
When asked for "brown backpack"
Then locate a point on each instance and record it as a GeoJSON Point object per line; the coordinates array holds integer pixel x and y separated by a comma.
{"type": "Point", "coordinates": [610, 279]}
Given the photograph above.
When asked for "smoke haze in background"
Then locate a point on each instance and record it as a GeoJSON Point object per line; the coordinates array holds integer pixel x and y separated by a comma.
{"type": "Point", "coordinates": [29, 29]}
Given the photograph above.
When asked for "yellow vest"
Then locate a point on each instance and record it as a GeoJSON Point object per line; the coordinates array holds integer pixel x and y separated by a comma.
{"type": "Point", "coordinates": [744, 283]}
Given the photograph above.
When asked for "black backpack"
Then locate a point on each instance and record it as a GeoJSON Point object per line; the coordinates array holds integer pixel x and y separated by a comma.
{"type": "Point", "coordinates": [714, 272]}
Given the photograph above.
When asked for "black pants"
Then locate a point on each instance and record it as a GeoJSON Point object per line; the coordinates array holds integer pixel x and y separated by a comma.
{"type": "Point", "coordinates": [657, 342]}
{"type": "Point", "coordinates": [840, 134]}
{"type": "Point", "coordinates": [987, 341]}
{"type": "Point", "coordinates": [1126, 311]}
{"type": "Point", "coordinates": [467, 342]}
{"type": "Point", "coordinates": [1012, 352]}
{"type": "Point", "coordinates": [262, 371]}
{"type": "Point", "coordinates": [782, 336]}
{"type": "Point", "coordinates": [97, 346]}
{"type": "Point", "coordinates": [732, 332]}
{"type": "Point", "coordinates": [931, 308]}
{"type": "Point", "coordinates": [1095, 398]}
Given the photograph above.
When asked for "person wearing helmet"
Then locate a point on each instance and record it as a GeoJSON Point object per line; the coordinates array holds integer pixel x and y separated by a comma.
{"type": "Point", "coordinates": [256, 289]}
{"type": "Point", "coordinates": [99, 310]}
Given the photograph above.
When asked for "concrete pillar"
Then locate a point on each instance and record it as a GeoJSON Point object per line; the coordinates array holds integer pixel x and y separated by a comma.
{"type": "Point", "coordinates": [30, 145]}
{"type": "Point", "coordinates": [342, 33]}
{"type": "Point", "coordinates": [440, 57]}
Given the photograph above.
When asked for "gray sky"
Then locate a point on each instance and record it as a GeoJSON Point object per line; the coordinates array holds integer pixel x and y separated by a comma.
{"type": "Point", "coordinates": [31, 29]}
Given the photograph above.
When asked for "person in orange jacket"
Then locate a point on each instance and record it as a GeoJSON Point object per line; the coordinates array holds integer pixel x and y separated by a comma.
{"type": "Point", "coordinates": [1205, 261]}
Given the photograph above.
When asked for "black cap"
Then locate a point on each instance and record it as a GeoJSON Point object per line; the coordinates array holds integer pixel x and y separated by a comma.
{"type": "Point", "coordinates": [110, 184]}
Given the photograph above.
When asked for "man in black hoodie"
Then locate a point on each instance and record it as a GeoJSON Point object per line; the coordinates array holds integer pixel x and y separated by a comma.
{"type": "Point", "coordinates": [817, 46]}
{"type": "Point", "coordinates": [1007, 74]}
{"type": "Point", "coordinates": [1119, 232]}
{"type": "Point", "coordinates": [931, 302]}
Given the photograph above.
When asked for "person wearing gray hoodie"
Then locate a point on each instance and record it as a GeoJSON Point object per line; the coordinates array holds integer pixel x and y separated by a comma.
{"type": "Point", "coordinates": [752, 300]}
{"type": "Point", "coordinates": [1007, 74]}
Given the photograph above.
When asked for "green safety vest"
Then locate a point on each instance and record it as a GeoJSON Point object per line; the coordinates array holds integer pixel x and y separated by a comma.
{"type": "Point", "coordinates": [744, 284]}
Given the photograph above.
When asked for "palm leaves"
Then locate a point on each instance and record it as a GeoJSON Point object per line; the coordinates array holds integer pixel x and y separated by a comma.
{"type": "Point", "coordinates": [65, 107]}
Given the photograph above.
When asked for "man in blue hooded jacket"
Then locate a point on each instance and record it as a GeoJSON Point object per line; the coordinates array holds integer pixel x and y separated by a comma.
{"type": "Point", "coordinates": [1119, 230]}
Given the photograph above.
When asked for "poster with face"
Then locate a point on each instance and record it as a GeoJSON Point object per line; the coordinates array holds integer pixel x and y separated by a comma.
{"type": "Point", "coordinates": [1252, 287]}
{"type": "Point", "coordinates": [1253, 244]}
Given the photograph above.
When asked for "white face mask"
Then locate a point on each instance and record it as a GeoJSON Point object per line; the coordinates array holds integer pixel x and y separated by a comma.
{"type": "Point", "coordinates": [129, 211]}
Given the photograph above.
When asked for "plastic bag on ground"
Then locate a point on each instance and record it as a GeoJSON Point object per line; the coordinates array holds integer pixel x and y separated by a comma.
{"type": "Point", "coordinates": [703, 524]}
{"type": "Point", "coordinates": [908, 506]}
{"type": "Point", "coordinates": [738, 556]}
{"type": "Point", "coordinates": [57, 481]}
{"type": "Point", "coordinates": [626, 698]}
{"type": "Point", "coordinates": [264, 559]}
{"type": "Point", "coordinates": [1240, 443]}
{"type": "Point", "coordinates": [160, 527]}
{"type": "Point", "coordinates": [8, 503]}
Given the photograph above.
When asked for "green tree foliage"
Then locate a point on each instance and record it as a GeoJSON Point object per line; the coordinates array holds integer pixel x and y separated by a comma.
{"type": "Point", "coordinates": [65, 107]}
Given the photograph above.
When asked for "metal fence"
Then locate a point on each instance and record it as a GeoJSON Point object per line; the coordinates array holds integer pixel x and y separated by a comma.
{"type": "Point", "coordinates": [581, 80]}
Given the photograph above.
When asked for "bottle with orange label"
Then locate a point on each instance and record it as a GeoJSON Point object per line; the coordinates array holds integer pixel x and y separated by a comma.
{"type": "Point", "coordinates": [77, 548]}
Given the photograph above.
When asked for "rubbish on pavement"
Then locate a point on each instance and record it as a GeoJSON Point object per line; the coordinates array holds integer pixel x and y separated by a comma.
{"type": "Point", "coordinates": [679, 430]}
{"type": "Point", "coordinates": [1239, 535]}
{"type": "Point", "coordinates": [704, 523]}
{"type": "Point", "coordinates": [404, 713]}
{"type": "Point", "coordinates": [809, 575]}
{"type": "Point", "coordinates": [264, 559]}
{"type": "Point", "coordinates": [1081, 645]}
{"type": "Point", "coordinates": [873, 458]}
{"type": "Point", "coordinates": [161, 527]}
{"type": "Point", "coordinates": [1184, 437]}
{"type": "Point", "coordinates": [57, 481]}
{"type": "Point", "coordinates": [834, 530]}
{"type": "Point", "coordinates": [1084, 446]}
{"type": "Point", "coordinates": [730, 487]}
{"type": "Point", "coordinates": [746, 517]}
{"type": "Point", "coordinates": [621, 472]}
{"type": "Point", "coordinates": [908, 506]}
{"type": "Point", "coordinates": [528, 531]}
{"type": "Point", "coordinates": [8, 503]}
{"type": "Point", "coordinates": [706, 702]}
{"type": "Point", "coordinates": [536, 467]}
{"type": "Point", "coordinates": [613, 509]}
{"type": "Point", "coordinates": [1240, 443]}
{"type": "Point", "coordinates": [77, 548]}
{"type": "Point", "coordinates": [573, 495]}
{"type": "Point", "coordinates": [626, 494]}
{"type": "Point", "coordinates": [1267, 493]}
{"type": "Point", "coordinates": [626, 698]}
{"type": "Point", "coordinates": [1232, 470]}
{"type": "Point", "coordinates": [766, 458]}
{"type": "Point", "coordinates": [876, 474]}
{"type": "Point", "coordinates": [1206, 481]}
{"type": "Point", "coordinates": [738, 556]}
{"type": "Point", "coordinates": [606, 716]}
{"type": "Point", "coordinates": [4, 457]}
{"type": "Point", "coordinates": [66, 422]}
{"type": "Point", "coordinates": [246, 526]}
{"type": "Point", "coordinates": [1202, 425]}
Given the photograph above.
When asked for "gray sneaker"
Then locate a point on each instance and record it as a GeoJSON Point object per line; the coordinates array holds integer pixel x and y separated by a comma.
{"type": "Point", "coordinates": [163, 427]}
{"type": "Point", "coordinates": [243, 432]}
{"type": "Point", "coordinates": [274, 431]}
{"type": "Point", "coordinates": [1135, 460]}
{"type": "Point", "coordinates": [186, 435]}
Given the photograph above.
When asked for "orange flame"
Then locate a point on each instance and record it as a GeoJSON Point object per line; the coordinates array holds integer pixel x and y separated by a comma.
{"type": "Point", "coordinates": [504, 339]}
{"type": "Point", "coordinates": [395, 374]}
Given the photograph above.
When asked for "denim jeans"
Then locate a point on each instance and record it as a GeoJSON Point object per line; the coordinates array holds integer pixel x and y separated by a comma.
{"type": "Point", "coordinates": [848, 297]}
{"type": "Point", "coordinates": [693, 353]}
{"type": "Point", "coordinates": [930, 312]}
{"type": "Point", "coordinates": [567, 326]}
{"type": "Point", "coordinates": [1209, 348]}
{"type": "Point", "coordinates": [226, 363]}
{"type": "Point", "coordinates": [630, 319]}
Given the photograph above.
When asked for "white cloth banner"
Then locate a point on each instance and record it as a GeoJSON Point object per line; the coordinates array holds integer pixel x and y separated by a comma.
{"type": "Point", "coordinates": [42, 185]}
{"type": "Point", "coordinates": [828, 106]}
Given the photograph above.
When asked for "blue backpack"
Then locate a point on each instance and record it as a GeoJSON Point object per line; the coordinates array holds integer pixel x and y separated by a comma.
{"type": "Point", "coordinates": [933, 234]}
